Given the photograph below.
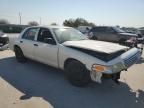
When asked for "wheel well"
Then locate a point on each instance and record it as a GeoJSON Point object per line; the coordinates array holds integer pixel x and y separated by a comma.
{"type": "Point", "coordinates": [16, 46]}
{"type": "Point", "coordinates": [94, 37]}
{"type": "Point", "coordinates": [69, 60]}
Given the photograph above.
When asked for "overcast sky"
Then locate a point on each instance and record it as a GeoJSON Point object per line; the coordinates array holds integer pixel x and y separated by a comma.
{"type": "Point", "coordinates": [101, 12]}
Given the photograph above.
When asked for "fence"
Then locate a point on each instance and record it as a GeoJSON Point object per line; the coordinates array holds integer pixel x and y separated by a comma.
{"type": "Point", "coordinates": [12, 28]}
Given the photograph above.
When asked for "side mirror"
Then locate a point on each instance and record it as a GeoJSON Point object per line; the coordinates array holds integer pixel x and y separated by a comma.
{"type": "Point", "coordinates": [49, 41]}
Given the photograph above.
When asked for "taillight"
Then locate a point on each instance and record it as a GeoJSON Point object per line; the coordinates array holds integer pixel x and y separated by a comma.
{"type": "Point", "coordinates": [133, 38]}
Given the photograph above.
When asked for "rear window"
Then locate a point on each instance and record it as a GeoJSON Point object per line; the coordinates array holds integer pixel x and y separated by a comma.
{"type": "Point", "coordinates": [30, 33]}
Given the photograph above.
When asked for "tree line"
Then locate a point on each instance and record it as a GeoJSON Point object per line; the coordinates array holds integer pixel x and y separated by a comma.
{"type": "Point", "coordinates": [69, 22]}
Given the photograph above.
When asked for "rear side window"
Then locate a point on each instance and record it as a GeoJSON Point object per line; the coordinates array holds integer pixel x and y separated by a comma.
{"type": "Point", "coordinates": [98, 29]}
{"type": "Point", "coordinates": [30, 33]}
{"type": "Point", "coordinates": [109, 30]}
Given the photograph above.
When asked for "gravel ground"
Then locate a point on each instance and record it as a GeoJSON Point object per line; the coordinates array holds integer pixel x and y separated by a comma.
{"type": "Point", "coordinates": [35, 85]}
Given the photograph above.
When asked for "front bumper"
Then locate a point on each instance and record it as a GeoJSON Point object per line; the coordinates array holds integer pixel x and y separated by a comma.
{"type": "Point", "coordinates": [127, 60]}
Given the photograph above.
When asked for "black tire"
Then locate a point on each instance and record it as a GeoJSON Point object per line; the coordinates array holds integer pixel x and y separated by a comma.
{"type": "Point", "coordinates": [94, 38]}
{"type": "Point", "coordinates": [122, 41]}
{"type": "Point", "coordinates": [19, 55]}
{"type": "Point", "coordinates": [77, 74]}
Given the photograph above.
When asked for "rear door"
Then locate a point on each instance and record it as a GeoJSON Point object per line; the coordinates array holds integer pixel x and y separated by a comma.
{"type": "Point", "coordinates": [46, 49]}
{"type": "Point", "coordinates": [110, 34]}
{"type": "Point", "coordinates": [27, 42]}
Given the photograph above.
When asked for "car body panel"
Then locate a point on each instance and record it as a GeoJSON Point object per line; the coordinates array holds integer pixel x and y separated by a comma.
{"type": "Point", "coordinates": [46, 53]}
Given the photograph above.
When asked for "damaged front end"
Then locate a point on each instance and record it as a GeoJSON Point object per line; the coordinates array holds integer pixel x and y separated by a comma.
{"type": "Point", "coordinates": [126, 60]}
{"type": "Point", "coordinates": [97, 70]}
{"type": "Point", "coordinates": [113, 62]}
{"type": "Point", "coordinates": [4, 41]}
{"type": "Point", "coordinates": [98, 76]}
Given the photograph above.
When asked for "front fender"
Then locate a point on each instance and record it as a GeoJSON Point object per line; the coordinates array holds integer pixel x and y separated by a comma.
{"type": "Point", "coordinates": [66, 53]}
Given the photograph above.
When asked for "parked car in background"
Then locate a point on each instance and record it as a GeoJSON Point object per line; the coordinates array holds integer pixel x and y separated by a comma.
{"type": "Point", "coordinates": [84, 29]}
{"type": "Point", "coordinates": [81, 59]}
{"type": "Point", "coordinates": [142, 31]}
{"type": "Point", "coordinates": [139, 32]}
{"type": "Point", "coordinates": [4, 41]}
{"type": "Point", "coordinates": [111, 34]}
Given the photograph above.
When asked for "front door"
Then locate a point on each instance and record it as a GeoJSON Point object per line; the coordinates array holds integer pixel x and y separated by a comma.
{"type": "Point", "coordinates": [46, 49]}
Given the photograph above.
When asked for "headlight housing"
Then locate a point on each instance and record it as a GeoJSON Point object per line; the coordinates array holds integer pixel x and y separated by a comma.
{"type": "Point", "coordinates": [112, 69]}
{"type": "Point", "coordinates": [117, 67]}
{"type": "Point", "coordinates": [99, 68]}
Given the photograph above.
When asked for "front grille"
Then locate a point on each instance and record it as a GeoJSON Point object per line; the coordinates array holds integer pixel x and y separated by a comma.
{"type": "Point", "coordinates": [131, 60]}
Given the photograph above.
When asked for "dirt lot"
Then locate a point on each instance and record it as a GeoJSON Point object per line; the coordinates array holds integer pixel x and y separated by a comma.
{"type": "Point", "coordinates": [34, 85]}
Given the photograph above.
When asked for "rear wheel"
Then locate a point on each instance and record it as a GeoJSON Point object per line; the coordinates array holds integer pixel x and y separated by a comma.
{"type": "Point", "coordinates": [94, 38]}
{"type": "Point", "coordinates": [19, 55]}
{"type": "Point", "coordinates": [77, 74]}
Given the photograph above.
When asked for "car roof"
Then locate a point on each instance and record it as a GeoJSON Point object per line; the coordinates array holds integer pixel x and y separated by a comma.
{"type": "Point", "coordinates": [61, 27]}
{"type": "Point", "coordinates": [103, 26]}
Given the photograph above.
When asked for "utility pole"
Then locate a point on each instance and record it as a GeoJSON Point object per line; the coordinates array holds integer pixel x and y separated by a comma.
{"type": "Point", "coordinates": [40, 21]}
{"type": "Point", "coordinates": [20, 18]}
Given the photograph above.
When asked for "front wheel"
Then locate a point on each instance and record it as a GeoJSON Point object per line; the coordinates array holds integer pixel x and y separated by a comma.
{"type": "Point", "coordinates": [77, 74]}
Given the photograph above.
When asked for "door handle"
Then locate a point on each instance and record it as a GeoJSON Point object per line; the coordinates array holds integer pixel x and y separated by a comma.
{"type": "Point", "coordinates": [35, 44]}
{"type": "Point", "coordinates": [21, 41]}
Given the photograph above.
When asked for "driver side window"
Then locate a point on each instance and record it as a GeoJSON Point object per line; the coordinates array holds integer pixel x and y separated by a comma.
{"type": "Point", "coordinates": [45, 35]}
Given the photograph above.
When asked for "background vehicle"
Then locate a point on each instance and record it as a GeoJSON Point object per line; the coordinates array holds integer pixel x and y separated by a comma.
{"type": "Point", "coordinates": [81, 59]}
{"type": "Point", "coordinates": [84, 29]}
{"type": "Point", "coordinates": [112, 34]}
{"type": "Point", "coordinates": [142, 31]}
{"type": "Point", "coordinates": [139, 32]}
{"type": "Point", "coordinates": [4, 40]}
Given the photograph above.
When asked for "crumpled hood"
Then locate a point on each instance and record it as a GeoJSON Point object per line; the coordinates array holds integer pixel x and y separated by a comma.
{"type": "Point", "coordinates": [100, 46]}
{"type": "Point", "coordinates": [129, 34]}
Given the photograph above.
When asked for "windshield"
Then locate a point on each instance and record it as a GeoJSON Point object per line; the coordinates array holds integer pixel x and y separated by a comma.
{"type": "Point", "coordinates": [68, 34]}
{"type": "Point", "coordinates": [118, 30]}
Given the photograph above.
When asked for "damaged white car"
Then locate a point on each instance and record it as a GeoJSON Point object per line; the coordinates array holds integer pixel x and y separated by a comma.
{"type": "Point", "coordinates": [81, 59]}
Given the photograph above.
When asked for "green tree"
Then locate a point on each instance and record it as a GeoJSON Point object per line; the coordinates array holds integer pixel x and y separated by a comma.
{"type": "Point", "coordinates": [33, 23]}
{"type": "Point", "coordinates": [77, 22]}
{"type": "Point", "coordinates": [69, 22]}
{"type": "Point", "coordinates": [4, 21]}
{"type": "Point", "coordinates": [54, 24]}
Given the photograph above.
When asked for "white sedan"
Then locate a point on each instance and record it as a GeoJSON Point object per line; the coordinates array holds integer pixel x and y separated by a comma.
{"type": "Point", "coordinates": [82, 60]}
